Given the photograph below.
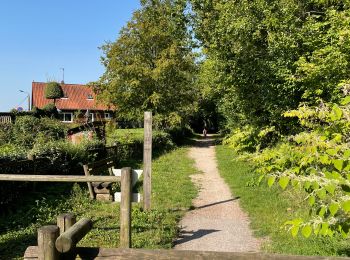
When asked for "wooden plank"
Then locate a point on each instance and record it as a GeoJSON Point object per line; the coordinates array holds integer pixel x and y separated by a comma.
{"type": "Point", "coordinates": [68, 240]}
{"type": "Point", "coordinates": [147, 161]}
{"type": "Point", "coordinates": [47, 236]}
{"type": "Point", "coordinates": [58, 178]}
{"type": "Point", "coordinates": [117, 253]}
{"type": "Point", "coordinates": [101, 163]}
{"type": "Point", "coordinates": [125, 209]}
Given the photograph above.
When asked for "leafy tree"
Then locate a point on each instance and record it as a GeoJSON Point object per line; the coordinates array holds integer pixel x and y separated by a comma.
{"type": "Point", "coordinates": [151, 65]}
{"type": "Point", "coordinates": [53, 91]}
{"type": "Point", "coordinates": [271, 55]}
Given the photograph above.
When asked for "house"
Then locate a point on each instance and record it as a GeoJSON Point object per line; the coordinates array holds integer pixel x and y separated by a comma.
{"type": "Point", "coordinates": [77, 104]}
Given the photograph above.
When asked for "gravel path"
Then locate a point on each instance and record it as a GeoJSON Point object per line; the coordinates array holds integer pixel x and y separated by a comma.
{"type": "Point", "coordinates": [217, 223]}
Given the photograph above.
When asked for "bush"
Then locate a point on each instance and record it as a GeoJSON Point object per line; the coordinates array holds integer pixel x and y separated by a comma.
{"type": "Point", "coordinates": [27, 130]}
{"type": "Point", "coordinates": [5, 133]}
{"type": "Point", "coordinates": [130, 142]}
{"type": "Point", "coordinates": [10, 152]}
{"type": "Point", "coordinates": [53, 90]}
{"type": "Point", "coordinates": [66, 157]}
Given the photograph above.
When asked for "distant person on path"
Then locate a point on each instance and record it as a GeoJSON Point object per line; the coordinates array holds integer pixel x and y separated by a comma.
{"type": "Point", "coordinates": [205, 132]}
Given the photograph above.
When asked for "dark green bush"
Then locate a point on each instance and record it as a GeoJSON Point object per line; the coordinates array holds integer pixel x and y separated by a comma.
{"type": "Point", "coordinates": [5, 133]}
{"type": "Point", "coordinates": [27, 130]}
{"type": "Point", "coordinates": [53, 90]}
{"type": "Point", "coordinates": [65, 157]}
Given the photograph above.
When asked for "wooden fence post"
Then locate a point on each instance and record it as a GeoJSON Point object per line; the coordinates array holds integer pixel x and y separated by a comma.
{"type": "Point", "coordinates": [47, 236]}
{"type": "Point", "coordinates": [147, 161]}
{"type": "Point", "coordinates": [65, 221]}
{"type": "Point", "coordinates": [67, 241]}
{"type": "Point", "coordinates": [91, 191]}
{"type": "Point", "coordinates": [125, 208]}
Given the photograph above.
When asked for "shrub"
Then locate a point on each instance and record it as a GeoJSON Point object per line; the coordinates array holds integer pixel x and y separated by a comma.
{"type": "Point", "coordinates": [130, 142]}
{"type": "Point", "coordinates": [53, 90]}
{"type": "Point", "coordinates": [66, 157]}
{"type": "Point", "coordinates": [11, 152]}
{"type": "Point", "coordinates": [316, 162]}
{"type": "Point", "coordinates": [28, 130]}
{"type": "Point", "coordinates": [5, 133]}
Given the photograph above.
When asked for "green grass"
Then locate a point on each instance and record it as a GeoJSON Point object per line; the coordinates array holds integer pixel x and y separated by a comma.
{"type": "Point", "coordinates": [268, 208]}
{"type": "Point", "coordinates": [172, 193]}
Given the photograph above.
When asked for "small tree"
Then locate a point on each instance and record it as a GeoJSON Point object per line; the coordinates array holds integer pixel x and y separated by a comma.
{"type": "Point", "coordinates": [53, 91]}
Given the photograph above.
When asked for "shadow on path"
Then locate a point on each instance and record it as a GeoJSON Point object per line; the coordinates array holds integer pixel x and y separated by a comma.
{"type": "Point", "coordinates": [186, 236]}
{"type": "Point", "coordinates": [215, 203]}
{"type": "Point", "coordinates": [203, 142]}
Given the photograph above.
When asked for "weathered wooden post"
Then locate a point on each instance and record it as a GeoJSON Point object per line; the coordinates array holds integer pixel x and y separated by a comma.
{"type": "Point", "coordinates": [125, 208]}
{"type": "Point", "coordinates": [147, 161]}
{"type": "Point", "coordinates": [65, 221]}
{"type": "Point", "coordinates": [67, 241]}
{"type": "Point", "coordinates": [47, 236]}
{"type": "Point", "coordinates": [91, 191]}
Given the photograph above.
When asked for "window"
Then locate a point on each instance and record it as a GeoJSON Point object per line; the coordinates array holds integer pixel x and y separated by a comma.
{"type": "Point", "coordinates": [67, 117]}
{"type": "Point", "coordinates": [65, 96]}
{"type": "Point", "coordinates": [90, 96]}
{"type": "Point", "coordinates": [108, 116]}
{"type": "Point", "coordinates": [91, 117]}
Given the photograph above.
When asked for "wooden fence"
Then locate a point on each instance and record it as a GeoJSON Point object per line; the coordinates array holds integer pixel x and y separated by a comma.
{"type": "Point", "coordinates": [5, 119]}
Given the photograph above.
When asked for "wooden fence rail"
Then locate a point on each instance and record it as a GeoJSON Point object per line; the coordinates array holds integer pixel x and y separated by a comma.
{"type": "Point", "coordinates": [159, 254]}
{"type": "Point", "coordinates": [70, 231]}
{"type": "Point", "coordinates": [58, 178]}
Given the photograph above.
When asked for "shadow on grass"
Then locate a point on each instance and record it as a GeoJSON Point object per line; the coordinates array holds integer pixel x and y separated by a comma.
{"type": "Point", "coordinates": [15, 247]}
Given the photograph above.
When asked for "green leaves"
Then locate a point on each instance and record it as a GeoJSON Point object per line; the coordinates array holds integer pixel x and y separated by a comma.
{"type": "Point", "coordinates": [331, 152]}
{"type": "Point", "coordinates": [271, 180]}
{"type": "Point", "coordinates": [312, 200]}
{"type": "Point", "coordinates": [336, 113]}
{"type": "Point", "coordinates": [338, 164]}
{"type": "Point", "coordinates": [333, 208]}
{"type": "Point", "coordinates": [346, 206]}
{"type": "Point", "coordinates": [283, 182]}
{"type": "Point", "coordinates": [306, 231]}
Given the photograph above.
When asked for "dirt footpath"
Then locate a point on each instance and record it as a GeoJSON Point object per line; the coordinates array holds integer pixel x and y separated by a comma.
{"type": "Point", "coordinates": [217, 223]}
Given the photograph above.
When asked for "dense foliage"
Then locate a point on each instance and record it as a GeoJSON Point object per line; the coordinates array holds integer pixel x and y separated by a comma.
{"type": "Point", "coordinates": [279, 74]}
{"type": "Point", "coordinates": [265, 57]}
{"type": "Point", "coordinates": [151, 66]}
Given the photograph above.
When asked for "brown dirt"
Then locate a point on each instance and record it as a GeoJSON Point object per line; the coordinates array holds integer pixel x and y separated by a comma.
{"type": "Point", "coordinates": [217, 222]}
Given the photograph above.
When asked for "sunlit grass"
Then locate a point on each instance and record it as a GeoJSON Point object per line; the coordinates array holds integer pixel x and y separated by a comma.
{"type": "Point", "coordinates": [269, 208]}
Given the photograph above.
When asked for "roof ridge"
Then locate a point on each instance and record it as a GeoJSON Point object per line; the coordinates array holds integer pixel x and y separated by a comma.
{"type": "Point", "coordinates": [40, 82]}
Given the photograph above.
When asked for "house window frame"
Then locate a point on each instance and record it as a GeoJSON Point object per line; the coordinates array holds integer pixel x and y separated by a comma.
{"type": "Point", "coordinates": [64, 117]}
{"type": "Point", "coordinates": [92, 116]}
{"type": "Point", "coordinates": [109, 117]}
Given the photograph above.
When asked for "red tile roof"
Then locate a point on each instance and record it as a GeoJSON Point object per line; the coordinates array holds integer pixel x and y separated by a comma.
{"type": "Point", "coordinates": [77, 97]}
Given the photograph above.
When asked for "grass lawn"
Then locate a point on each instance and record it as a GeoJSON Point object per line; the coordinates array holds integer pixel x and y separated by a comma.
{"type": "Point", "coordinates": [269, 208]}
{"type": "Point", "coordinates": [172, 193]}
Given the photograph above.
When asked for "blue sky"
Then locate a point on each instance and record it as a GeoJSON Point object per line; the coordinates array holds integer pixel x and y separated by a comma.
{"type": "Point", "coordinates": [38, 37]}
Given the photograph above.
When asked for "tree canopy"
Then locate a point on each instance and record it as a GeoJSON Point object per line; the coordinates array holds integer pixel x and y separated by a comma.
{"type": "Point", "coordinates": [151, 65]}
